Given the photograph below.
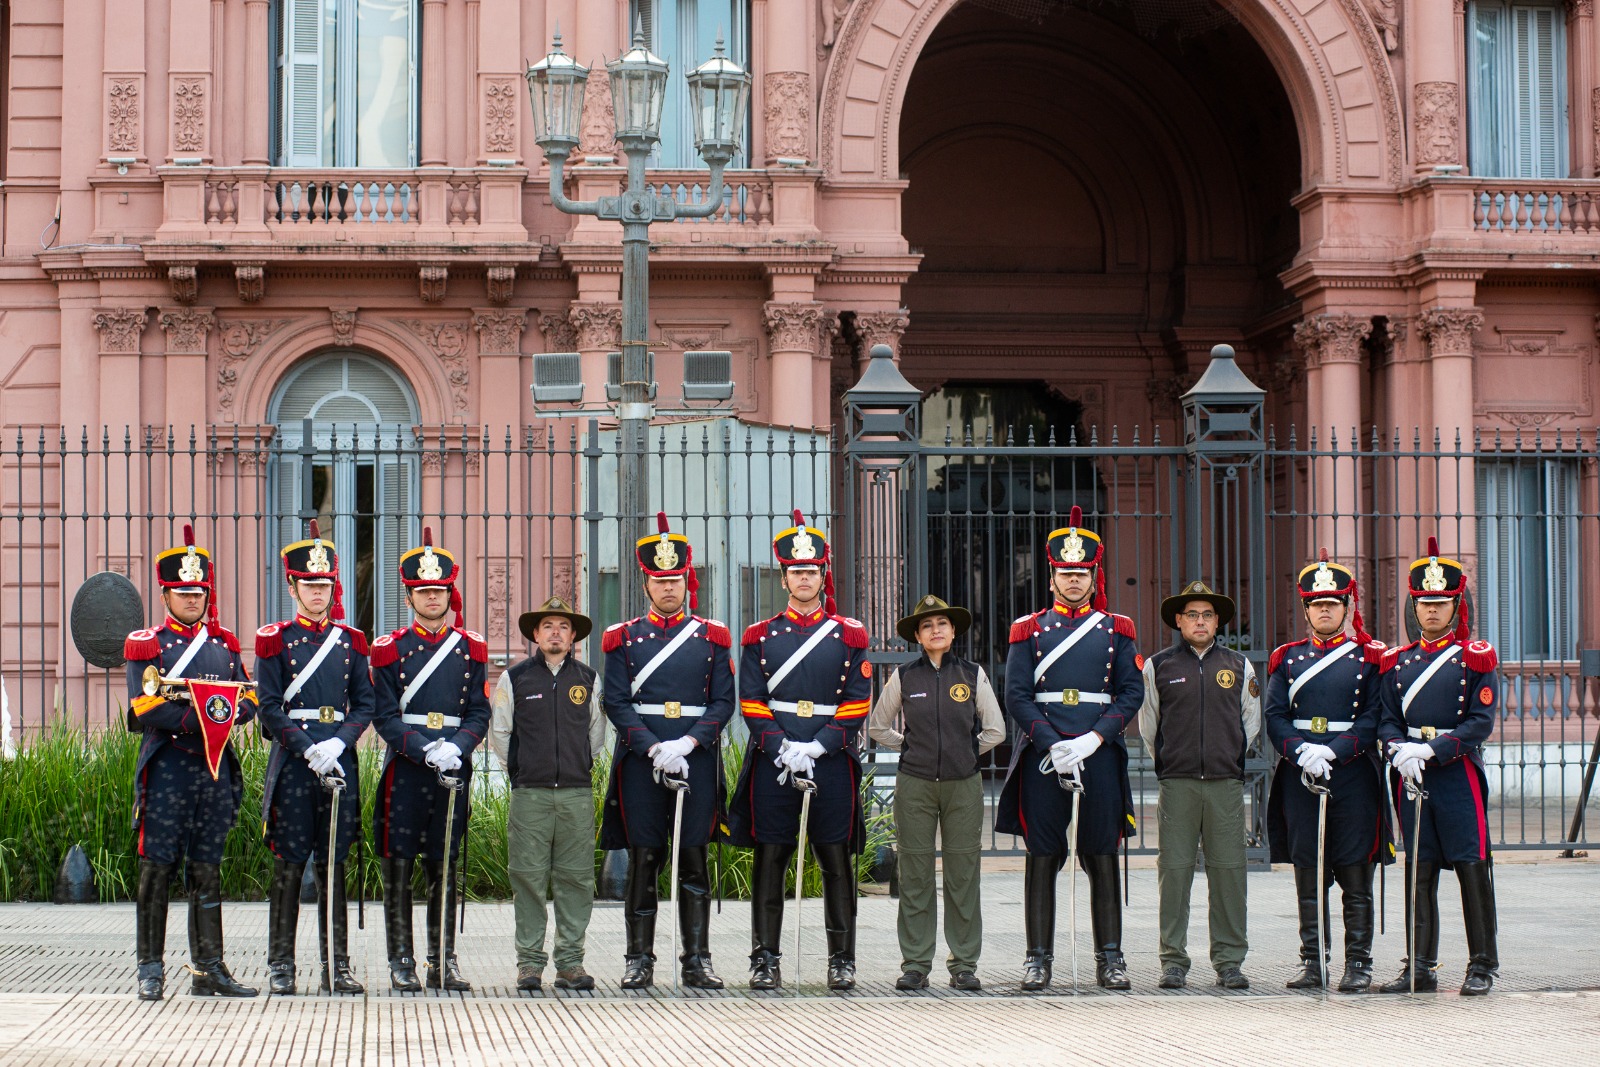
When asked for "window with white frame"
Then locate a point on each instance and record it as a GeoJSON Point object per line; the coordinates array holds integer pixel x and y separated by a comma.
{"type": "Point", "coordinates": [684, 33]}
{"type": "Point", "coordinates": [346, 77]}
{"type": "Point", "coordinates": [1528, 557]}
{"type": "Point", "coordinates": [1517, 89]}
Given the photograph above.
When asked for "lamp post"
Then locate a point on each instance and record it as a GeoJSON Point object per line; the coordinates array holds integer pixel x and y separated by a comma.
{"type": "Point", "coordinates": [719, 93]}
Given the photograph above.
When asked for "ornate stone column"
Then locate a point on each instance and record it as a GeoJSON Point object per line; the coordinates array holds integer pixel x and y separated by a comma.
{"type": "Point", "coordinates": [792, 335]}
{"type": "Point", "coordinates": [879, 328]}
{"type": "Point", "coordinates": [188, 332]}
{"type": "Point", "coordinates": [1436, 85]}
{"type": "Point", "coordinates": [257, 83]}
{"type": "Point", "coordinates": [1449, 332]}
{"type": "Point", "coordinates": [1332, 346]}
{"type": "Point", "coordinates": [432, 74]}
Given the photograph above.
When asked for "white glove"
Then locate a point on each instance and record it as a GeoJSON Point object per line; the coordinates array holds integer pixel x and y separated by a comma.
{"type": "Point", "coordinates": [678, 747]}
{"type": "Point", "coordinates": [799, 762]}
{"type": "Point", "coordinates": [1408, 758]}
{"type": "Point", "coordinates": [812, 750]}
{"type": "Point", "coordinates": [324, 757]}
{"type": "Point", "coordinates": [1061, 757]}
{"type": "Point", "coordinates": [673, 766]}
{"type": "Point", "coordinates": [1079, 749]}
{"type": "Point", "coordinates": [1316, 760]}
{"type": "Point", "coordinates": [444, 755]}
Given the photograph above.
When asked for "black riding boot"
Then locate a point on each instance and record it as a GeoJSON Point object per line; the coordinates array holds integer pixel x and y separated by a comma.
{"type": "Point", "coordinates": [1105, 914]}
{"type": "Point", "coordinates": [343, 979]}
{"type": "Point", "coordinates": [442, 916]}
{"type": "Point", "coordinates": [1309, 896]}
{"type": "Point", "coordinates": [397, 924]}
{"type": "Point", "coordinates": [1356, 884]}
{"type": "Point", "coordinates": [694, 918]}
{"type": "Point", "coordinates": [1425, 953]}
{"type": "Point", "coordinates": [639, 907]}
{"type": "Point", "coordinates": [767, 872]}
{"type": "Point", "coordinates": [211, 977]}
{"type": "Point", "coordinates": [283, 915]}
{"type": "Point", "coordinates": [1039, 917]}
{"type": "Point", "coordinates": [1477, 908]}
{"type": "Point", "coordinates": [150, 927]}
{"type": "Point", "coordinates": [839, 912]}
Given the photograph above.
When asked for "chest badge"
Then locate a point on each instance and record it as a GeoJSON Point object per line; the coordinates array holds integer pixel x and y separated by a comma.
{"type": "Point", "coordinates": [673, 709]}
{"type": "Point", "coordinates": [960, 693]}
{"type": "Point", "coordinates": [436, 720]}
{"type": "Point", "coordinates": [578, 694]}
{"type": "Point", "coordinates": [1226, 678]}
{"type": "Point", "coordinates": [805, 709]}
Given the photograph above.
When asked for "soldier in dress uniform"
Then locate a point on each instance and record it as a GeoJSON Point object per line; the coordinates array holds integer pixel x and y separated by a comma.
{"type": "Point", "coordinates": [1073, 684]}
{"type": "Point", "coordinates": [432, 710]}
{"type": "Point", "coordinates": [179, 808]}
{"type": "Point", "coordinates": [1322, 719]}
{"type": "Point", "coordinates": [1440, 697]}
{"type": "Point", "coordinates": [669, 691]}
{"type": "Point", "coordinates": [316, 699]}
{"type": "Point", "coordinates": [805, 685]}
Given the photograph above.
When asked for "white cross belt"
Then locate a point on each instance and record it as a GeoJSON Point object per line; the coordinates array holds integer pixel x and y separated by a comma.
{"type": "Point", "coordinates": [793, 708]}
{"type": "Point", "coordinates": [1328, 726]}
{"type": "Point", "coordinates": [1072, 696]}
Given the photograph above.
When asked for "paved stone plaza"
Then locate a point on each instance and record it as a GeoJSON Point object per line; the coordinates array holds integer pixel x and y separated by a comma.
{"type": "Point", "coordinates": [67, 977]}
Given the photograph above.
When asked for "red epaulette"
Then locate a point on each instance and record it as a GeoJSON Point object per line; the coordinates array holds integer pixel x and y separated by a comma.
{"type": "Point", "coordinates": [854, 632]}
{"type": "Point", "coordinates": [385, 651]}
{"type": "Point", "coordinates": [477, 647]}
{"type": "Point", "coordinates": [717, 633]}
{"type": "Point", "coordinates": [1276, 659]}
{"type": "Point", "coordinates": [1391, 657]}
{"type": "Point", "coordinates": [1480, 656]}
{"type": "Point", "coordinates": [1124, 626]}
{"type": "Point", "coordinates": [1024, 628]}
{"type": "Point", "coordinates": [754, 633]}
{"type": "Point", "coordinates": [612, 639]}
{"type": "Point", "coordinates": [1374, 651]}
{"type": "Point", "coordinates": [358, 639]}
{"type": "Point", "coordinates": [142, 644]}
{"type": "Point", "coordinates": [269, 640]}
{"type": "Point", "coordinates": [229, 639]}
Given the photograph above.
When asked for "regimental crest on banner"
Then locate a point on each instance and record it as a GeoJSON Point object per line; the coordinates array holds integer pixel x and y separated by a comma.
{"type": "Point", "coordinates": [219, 707]}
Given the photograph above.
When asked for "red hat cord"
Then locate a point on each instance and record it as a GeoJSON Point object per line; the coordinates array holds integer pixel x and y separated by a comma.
{"type": "Point", "coordinates": [212, 618]}
{"type": "Point", "coordinates": [1463, 612]}
{"type": "Point", "coordinates": [691, 581]}
{"type": "Point", "coordinates": [828, 604]}
{"type": "Point", "coordinates": [336, 612]}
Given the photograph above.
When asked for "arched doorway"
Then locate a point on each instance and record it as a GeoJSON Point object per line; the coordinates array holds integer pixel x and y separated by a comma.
{"type": "Point", "coordinates": [358, 476]}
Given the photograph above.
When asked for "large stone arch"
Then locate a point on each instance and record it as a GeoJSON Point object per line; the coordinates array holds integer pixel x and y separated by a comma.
{"type": "Point", "coordinates": [1329, 58]}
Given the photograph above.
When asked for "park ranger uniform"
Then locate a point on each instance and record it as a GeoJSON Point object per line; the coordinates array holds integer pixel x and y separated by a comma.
{"type": "Point", "coordinates": [1442, 698]}
{"type": "Point", "coordinates": [315, 686]}
{"type": "Point", "coordinates": [804, 683]}
{"type": "Point", "coordinates": [432, 711]}
{"type": "Point", "coordinates": [1321, 716]}
{"type": "Point", "coordinates": [180, 807]}
{"type": "Point", "coordinates": [666, 679]}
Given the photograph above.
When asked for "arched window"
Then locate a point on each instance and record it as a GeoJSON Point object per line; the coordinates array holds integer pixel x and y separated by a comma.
{"type": "Point", "coordinates": [360, 482]}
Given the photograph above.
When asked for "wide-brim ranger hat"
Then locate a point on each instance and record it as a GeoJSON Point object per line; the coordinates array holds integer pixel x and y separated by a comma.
{"type": "Point", "coordinates": [665, 554]}
{"type": "Point", "coordinates": [806, 546]}
{"type": "Point", "coordinates": [928, 607]}
{"type": "Point", "coordinates": [315, 560]}
{"type": "Point", "coordinates": [1173, 605]}
{"type": "Point", "coordinates": [427, 567]}
{"type": "Point", "coordinates": [528, 622]}
{"type": "Point", "coordinates": [188, 569]}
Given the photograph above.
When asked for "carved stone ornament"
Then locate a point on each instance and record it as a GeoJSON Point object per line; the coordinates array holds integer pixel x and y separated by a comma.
{"type": "Point", "coordinates": [1438, 123]}
{"type": "Point", "coordinates": [239, 341]}
{"type": "Point", "coordinates": [559, 333]}
{"type": "Point", "coordinates": [185, 281]}
{"type": "Point", "coordinates": [448, 340]}
{"type": "Point", "coordinates": [597, 136]}
{"type": "Point", "coordinates": [122, 116]}
{"type": "Point", "coordinates": [793, 327]}
{"type": "Point", "coordinates": [1385, 16]}
{"type": "Point", "coordinates": [344, 324]}
{"type": "Point", "coordinates": [252, 281]}
{"type": "Point", "coordinates": [119, 330]}
{"type": "Point", "coordinates": [788, 115]}
{"type": "Point", "coordinates": [432, 278]}
{"type": "Point", "coordinates": [187, 330]}
{"type": "Point", "coordinates": [500, 331]}
{"type": "Point", "coordinates": [1332, 338]}
{"type": "Point", "coordinates": [498, 281]}
{"type": "Point", "coordinates": [500, 104]}
{"type": "Point", "coordinates": [189, 115]}
{"type": "Point", "coordinates": [1450, 331]}
{"type": "Point", "coordinates": [880, 328]}
{"type": "Point", "coordinates": [596, 325]}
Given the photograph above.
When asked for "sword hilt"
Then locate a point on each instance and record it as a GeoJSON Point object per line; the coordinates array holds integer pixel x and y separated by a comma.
{"type": "Point", "coordinates": [802, 783]}
{"type": "Point", "coordinates": [333, 783]}
{"type": "Point", "coordinates": [671, 781]}
{"type": "Point", "coordinates": [1415, 791]}
{"type": "Point", "coordinates": [450, 782]}
{"type": "Point", "coordinates": [1309, 780]}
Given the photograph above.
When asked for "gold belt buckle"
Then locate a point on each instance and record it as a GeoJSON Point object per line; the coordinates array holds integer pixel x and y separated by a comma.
{"type": "Point", "coordinates": [1069, 697]}
{"type": "Point", "coordinates": [326, 713]}
{"type": "Point", "coordinates": [1429, 733]}
{"type": "Point", "coordinates": [436, 720]}
{"type": "Point", "coordinates": [674, 709]}
{"type": "Point", "coordinates": [1319, 725]}
{"type": "Point", "coordinates": [805, 709]}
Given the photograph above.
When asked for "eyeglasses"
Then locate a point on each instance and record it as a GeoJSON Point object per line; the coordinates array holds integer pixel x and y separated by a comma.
{"type": "Point", "coordinates": [1198, 616]}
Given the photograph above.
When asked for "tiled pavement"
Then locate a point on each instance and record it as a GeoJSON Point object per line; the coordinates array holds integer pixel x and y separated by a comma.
{"type": "Point", "coordinates": [66, 979]}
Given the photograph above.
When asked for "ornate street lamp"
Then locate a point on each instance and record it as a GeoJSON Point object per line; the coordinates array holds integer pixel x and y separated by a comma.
{"type": "Point", "coordinates": [556, 85]}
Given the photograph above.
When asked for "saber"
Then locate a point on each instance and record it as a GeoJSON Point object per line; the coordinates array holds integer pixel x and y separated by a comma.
{"type": "Point", "coordinates": [808, 789]}
{"type": "Point", "coordinates": [335, 787]}
{"type": "Point", "coordinates": [1418, 795]}
{"type": "Point", "coordinates": [680, 789]}
{"type": "Point", "coordinates": [1321, 792]}
{"type": "Point", "coordinates": [452, 785]}
{"type": "Point", "coordinates": [1073, 784]}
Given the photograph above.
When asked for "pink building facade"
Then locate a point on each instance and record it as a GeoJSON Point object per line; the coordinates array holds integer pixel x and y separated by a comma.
{"type": "Point", "coordinates": [1388, 207]}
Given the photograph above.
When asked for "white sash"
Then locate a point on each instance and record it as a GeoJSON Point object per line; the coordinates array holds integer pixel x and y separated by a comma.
{"type": "Point", "coordinates": [1061, 650]}
{"type": "Point", "coordinates": [200, 637]}
{"type": "Point", "coordinates": [799, 654]}
{"type": "Point", "coordinates": [665, 654]}
{"type": "Point", "coordinates": [305, 674]}
{"type": "Point", "coordinates": [1317, 668]}
{"type": "Point", "coordinates": [1424, 678]}
{"type": "Point", "coordinates": [427, 671]}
